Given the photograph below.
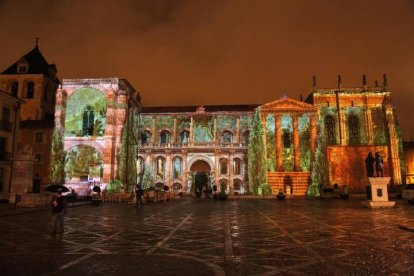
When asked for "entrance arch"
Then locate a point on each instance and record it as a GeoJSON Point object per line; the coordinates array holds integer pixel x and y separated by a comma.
{"type": "Point", "coordinates": [200, 176]}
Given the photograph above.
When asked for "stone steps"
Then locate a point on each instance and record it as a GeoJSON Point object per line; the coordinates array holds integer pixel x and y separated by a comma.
{"type": "Point", "coordinates": [298, 181]}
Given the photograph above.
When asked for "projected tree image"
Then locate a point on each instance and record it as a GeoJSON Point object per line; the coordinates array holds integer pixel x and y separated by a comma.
{"type": "Point", "coordinates": [57, 158]}
{"type": "Point", "coordinates": [82, 162]}
{"type": "Point", "coordinates": [270, 143]}
{"type": "Point", "coordinates": [256, 156]}
{"type": "Point", "coordinates": [85, 113]}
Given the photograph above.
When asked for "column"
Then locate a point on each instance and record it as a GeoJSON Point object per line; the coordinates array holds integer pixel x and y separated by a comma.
{"type": "Point", "coordinates": [313, 136]}
{"type": "Point", "coordinates": [168, 168]}
{"type": "Point", "coordinates": [296, 148]}
{"type": "Point", "coordinates": [184, 172]}
{"type": "Point", "coordinates": [278, 139]}
{"type": "Point", "coordinates": [344, 129]}
{"type": "Point", "coordinates": [231, 188]}
{"type": "Point", "coordinates": [191, 131]}
{"type": "Point", "coordinates": [174, 138]}
{"type": "Point", "coordinates": [217, 168]}
{"type": "Point", "coordinates": [153, 130]}
{"type": "Point", "coordinates": [238, 130]}
{"type": "Point", "coordinates": [215, 130]}
{"type": "Point", "coordinates": [369, 127]}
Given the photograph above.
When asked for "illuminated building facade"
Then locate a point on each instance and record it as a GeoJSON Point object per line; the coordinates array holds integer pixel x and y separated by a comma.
{"type": "Point", "coordinates": [93, 113]}
{"type": "Point", "coordinates": [409, 161]}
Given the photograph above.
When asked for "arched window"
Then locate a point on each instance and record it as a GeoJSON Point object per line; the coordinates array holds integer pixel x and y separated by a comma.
{"type": "Point", "coordinates": [30, 90]}
{"type": "Point", "coordinates": [88, 121]}
{"type": "Point", "coordinates": [223, 166]}
{"type": "Point", "coordinates": [330, 130]}
{"type": "Point", "coordinates": [184, 136]}
{"type": "Point", "coordinates": [237, 166]}
{"type": "Point", "coordinates": [177, 167]}
{"type": "Point", "coordinates": [245, 137]}
{"type": "Point", "coordinates": [14, 88]}
{"type": "Point", "coordinates": [160, 167]}
{"type": "Point", "coordinates": [287, 141]}
{"type": "Point", "coordinates": [227, 137]}
{"type": "Point", "coordinates": [237, 185]}
{"type": "Point", "coordinates": [146, 137]}
{"type": "Point", "coordinates": [165, 137]}
{"type": "Point", "coordinates": [353, 129]}
{"type": "Point", "coordinates": [223, 185]}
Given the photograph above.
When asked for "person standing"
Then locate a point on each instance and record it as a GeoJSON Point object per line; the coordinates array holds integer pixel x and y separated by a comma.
{"type": "Point", "coordinates": [58, 204]}
{"type": "Point", "coordinates": [139, 192]}
{"type": "Point", "coordinates": [369, 164]}
{"type": "Point", "coordinates": [379, 165]}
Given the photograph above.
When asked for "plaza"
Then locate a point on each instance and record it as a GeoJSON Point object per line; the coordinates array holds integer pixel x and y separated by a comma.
{"type": "Point", "coordinates": [233, 237]}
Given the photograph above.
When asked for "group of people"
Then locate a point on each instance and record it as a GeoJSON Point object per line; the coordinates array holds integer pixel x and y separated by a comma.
{"type": "Point", "coordinates": [379, 165]}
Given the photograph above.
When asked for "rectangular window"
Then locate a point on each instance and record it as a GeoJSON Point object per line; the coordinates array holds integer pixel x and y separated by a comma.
{"type": "Point", "coordinates": [37, 157]}
{"type": "Point", "coordinates": [39, 138]}
{"type": "Point", "coordinates": [3, 148]}
{"type": "Point", "coordinates": [1, 179]}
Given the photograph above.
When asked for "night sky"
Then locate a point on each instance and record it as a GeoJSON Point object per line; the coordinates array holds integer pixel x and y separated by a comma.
{"type": "Point", "coordinates": [183, 52]}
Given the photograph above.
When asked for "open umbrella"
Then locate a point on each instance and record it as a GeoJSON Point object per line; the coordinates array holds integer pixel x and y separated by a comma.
{"type": "Point", "coordinates": [56, 187]}
{"type": "Point", "coordinates": [96, 189]}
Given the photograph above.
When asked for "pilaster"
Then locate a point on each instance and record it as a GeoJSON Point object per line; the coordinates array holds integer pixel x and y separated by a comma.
{"type": "Point", "coordinates": [296, 149]}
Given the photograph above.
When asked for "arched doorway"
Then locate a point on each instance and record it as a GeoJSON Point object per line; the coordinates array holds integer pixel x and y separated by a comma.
{"type": "Point", "coordinates": [200, 176]}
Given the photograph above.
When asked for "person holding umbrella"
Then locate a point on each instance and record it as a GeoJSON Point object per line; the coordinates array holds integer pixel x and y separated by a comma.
{"type": "Point", "coordinates": [58, 204]}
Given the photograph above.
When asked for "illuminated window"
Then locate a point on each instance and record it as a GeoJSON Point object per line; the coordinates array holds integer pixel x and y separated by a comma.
{"type": "Point", "coordinates": [88, 121]}
{"type": "Point", "coordinates": [330, 130]}
{"type": "Point", "coordinates": [177, 167]}
{"type": "Point", "coordinates": [353, 129]}
{"type": "Point", "coordinates": [145, 137]}
{"type": "Point", "coordinates": [237, 185]}
{"type": "Point", "coordinates": [236, 166]}
{"type": "Point", "coordinates": [160, 167]}
{"type": "Point", "coordinates": [227, 137]}
{"type": "Point", "coordinates": [223, 166]}
{"type": "Point", "coordinates": [184, 136]}
{"type": "Point", "coordinates": [165, 137]}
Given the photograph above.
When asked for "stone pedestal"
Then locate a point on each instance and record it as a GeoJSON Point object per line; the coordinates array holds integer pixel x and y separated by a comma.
{"type": "Point", "coordinates": [377, 188]}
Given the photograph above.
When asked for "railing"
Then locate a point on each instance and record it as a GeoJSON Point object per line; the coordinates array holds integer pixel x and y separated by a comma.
{"type": "Point", "coordinates": [193, 145]}
{"type": "Point", "coordinates": [5, 125]}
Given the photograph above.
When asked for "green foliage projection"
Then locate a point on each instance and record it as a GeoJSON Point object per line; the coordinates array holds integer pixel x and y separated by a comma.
{"type": "Point", "coordinates": [203, 130]}
{"type": "Point", "coordinates": [76, 106]}
{"type": "Point", "coordinates": [270, 143]}
{"type": "Point", "coordinates": [320, 173]}
{"type": "Point", "coordinates": [163, 122]}
{"type": "Point", "coordinates": [378, 126]}
{"type": "Point", "coordinates": [245, 122]}
{"type": "Point", "coordinates": [114, 186]}
{"type": "Point", "coordinates": [304, 139]}
{"type": "Point", "coordinates": [80, 159]}
{"type": "Point", "coordinates": [127, 156]}
{"type": "Point", "coordinates": [57, 158]}
{"type": "Point", "coordinates": [360, 114]}
{"type": "Point", "coordinates": [287, 129]}
{"type": "Point", "coordinates": [147, 180]}
{"type": "Point", "coordinates": [226, 122]}
{"type": "Point", "coordinates": [257, 166]}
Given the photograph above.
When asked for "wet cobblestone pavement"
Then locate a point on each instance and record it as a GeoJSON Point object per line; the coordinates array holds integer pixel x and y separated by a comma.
{"type": "Point", "coordinates": [190, 237]}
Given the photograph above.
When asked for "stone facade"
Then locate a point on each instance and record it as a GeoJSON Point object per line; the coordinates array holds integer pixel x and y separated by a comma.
{"type": "Point", "coordinates": [409, 161]}
{"type": "Point", "coordinates": [179, 142]}
{"type": "Point", "coordinates": [9, 131]}
{"type": "Point", "coordinates": [93, 113]}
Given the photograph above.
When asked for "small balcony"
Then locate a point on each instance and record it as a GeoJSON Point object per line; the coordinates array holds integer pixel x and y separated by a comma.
{"type": "Point", "coordinates": [193, 146]}
{"type": "Point", "coordinates": [5, 125]}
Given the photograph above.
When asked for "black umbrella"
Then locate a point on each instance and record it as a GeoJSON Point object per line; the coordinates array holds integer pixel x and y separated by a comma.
{"type": "Point", "coordinates": [56, 187]}
{"type": "Point", "coordinates": [96, 189]}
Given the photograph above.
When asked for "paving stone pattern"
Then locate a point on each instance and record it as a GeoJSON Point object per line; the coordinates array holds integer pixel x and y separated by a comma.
{"type": "Point", "coordinates": [191, 237]}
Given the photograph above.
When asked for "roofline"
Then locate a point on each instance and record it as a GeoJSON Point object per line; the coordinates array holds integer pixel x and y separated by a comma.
{"type": "Point", "coordinates": [13, 97]}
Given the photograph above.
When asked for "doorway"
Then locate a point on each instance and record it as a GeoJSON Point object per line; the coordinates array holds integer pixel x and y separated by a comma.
{"type": "Point", "coordinates": [200, 176]}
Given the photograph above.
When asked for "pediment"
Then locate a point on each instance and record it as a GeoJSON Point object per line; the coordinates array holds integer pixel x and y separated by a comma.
{"type": "Point", "coordinates": [286, 104]}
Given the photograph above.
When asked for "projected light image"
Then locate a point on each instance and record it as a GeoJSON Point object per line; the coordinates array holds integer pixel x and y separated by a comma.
{"type": "Point", "coordinates": [86, 113]}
